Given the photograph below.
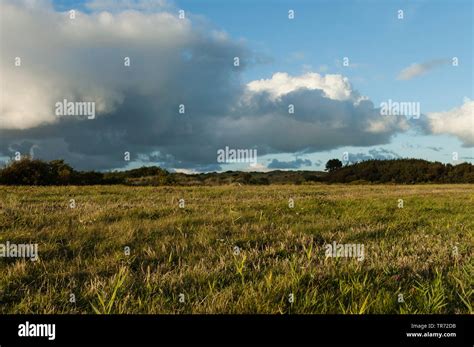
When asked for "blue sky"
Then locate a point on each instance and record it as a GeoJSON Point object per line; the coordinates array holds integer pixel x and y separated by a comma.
{"type": "Point", "coordinates": [378, 44]}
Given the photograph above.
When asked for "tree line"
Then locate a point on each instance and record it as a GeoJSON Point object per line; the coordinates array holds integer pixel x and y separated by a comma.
{"type": "Point", "coordinates": [407, 171]}
{"type": "Point", "coordinates": [402, 171]}
{"type": "Point", "coordinates": [41, 173]}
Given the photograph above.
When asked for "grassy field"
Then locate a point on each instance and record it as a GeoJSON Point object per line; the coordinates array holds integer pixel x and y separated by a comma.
{"type": "Point", "coordinates": [238, 249]}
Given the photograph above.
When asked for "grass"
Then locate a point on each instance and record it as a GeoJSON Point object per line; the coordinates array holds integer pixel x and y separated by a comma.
{"type": "Point", "coordinates": [238, 249]}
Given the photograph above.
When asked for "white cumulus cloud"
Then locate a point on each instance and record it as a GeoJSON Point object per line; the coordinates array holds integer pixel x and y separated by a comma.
{"type": "Point", "coordinates": [458, 122]}
{"type": "Point", "coordinates": [336, 87]}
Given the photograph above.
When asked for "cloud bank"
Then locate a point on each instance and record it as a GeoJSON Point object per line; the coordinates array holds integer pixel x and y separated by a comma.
{"type": "Point", "coordinates": [174, 63]}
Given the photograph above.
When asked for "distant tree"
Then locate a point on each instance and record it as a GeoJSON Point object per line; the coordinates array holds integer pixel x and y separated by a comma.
{"type": "Point", "coordinates": [333, 165]}
{"type": "Point", "coordinates": [61, 172]}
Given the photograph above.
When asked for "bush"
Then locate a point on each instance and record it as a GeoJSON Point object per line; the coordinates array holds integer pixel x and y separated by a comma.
{"type": "Point", "coordinates": [28, 172]}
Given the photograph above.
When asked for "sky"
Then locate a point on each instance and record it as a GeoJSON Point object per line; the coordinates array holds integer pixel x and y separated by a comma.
{"type": "Point", "coordinates": [336, 62]}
